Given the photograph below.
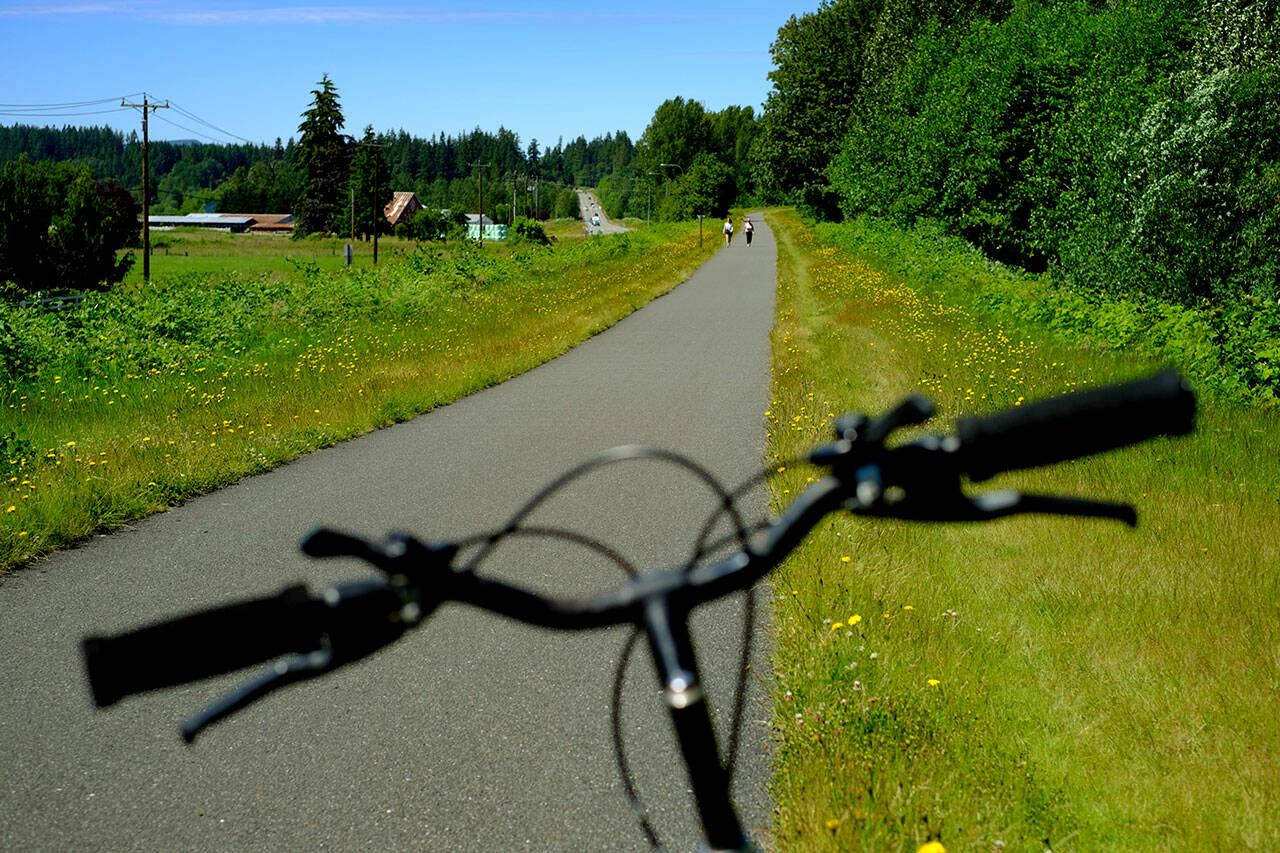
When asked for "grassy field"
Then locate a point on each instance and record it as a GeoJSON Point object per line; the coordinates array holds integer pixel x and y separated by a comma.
{"type": "Point", "coordinates": [145, 396]}
{"type": "Point", "coordinates": [195, 250]}
{"type": "Point", "coordinates": [1032, 683]}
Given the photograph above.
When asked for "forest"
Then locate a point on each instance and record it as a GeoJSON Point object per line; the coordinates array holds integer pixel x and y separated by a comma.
{"type": "Point", "coordinates": [185, 177]}
{"type": "Point", "coordinates": [1129, 147]}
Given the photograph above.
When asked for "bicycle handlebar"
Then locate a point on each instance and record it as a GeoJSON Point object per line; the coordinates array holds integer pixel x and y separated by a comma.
{"type": "Point", "coordinates": [920, 480]}
{"type": "Point", "coordinates": [201, 645]}
{"type": "Point", "coordinates": [1075, 425]}
{"type": "Point", "coordinates": [353, 619]}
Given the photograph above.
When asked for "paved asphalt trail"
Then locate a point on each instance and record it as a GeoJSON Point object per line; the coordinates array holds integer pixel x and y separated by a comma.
{"type": "Point", "coordinates": [472, 733]}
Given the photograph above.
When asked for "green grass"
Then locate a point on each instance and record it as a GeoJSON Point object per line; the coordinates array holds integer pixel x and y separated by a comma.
{"type": "Point", "coordinates": [145, 396]}
{"type": "Point", "coordinates": [201, 251]}
{"type": "Point", "coordinates": [1030, 683]}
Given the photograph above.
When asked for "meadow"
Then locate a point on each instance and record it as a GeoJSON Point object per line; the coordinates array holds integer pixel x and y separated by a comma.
{"type": "Point", "coordinates": [242, 354]}
{"type": "Point", "coordinates": [1032, 683]}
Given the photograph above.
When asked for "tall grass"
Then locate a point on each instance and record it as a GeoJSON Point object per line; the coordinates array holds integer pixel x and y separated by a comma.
{"type": "Point", "coordinates": [145, 396]}
{"type": "Point", "coordinates": [1029, 683]}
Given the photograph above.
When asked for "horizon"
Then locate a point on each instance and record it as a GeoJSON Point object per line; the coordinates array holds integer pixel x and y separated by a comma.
{"type": "Point", "coordinates": [552, 75]}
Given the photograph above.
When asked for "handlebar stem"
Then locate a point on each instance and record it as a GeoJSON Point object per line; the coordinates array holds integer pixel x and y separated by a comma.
{"type": "Point", "coordinates": [677, 665]}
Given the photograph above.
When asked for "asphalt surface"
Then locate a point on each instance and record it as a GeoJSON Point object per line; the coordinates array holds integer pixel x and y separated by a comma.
{"type": "Point", "coordinates": [594, 220]}
{"type": "Point", "coordinates": [472, 733]}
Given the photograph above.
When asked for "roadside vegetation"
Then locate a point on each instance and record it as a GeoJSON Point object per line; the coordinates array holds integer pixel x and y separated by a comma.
{"type": "Point", "coordinates": [1032, 683]}
{"type": "Point", "coordinates": [143, 396]}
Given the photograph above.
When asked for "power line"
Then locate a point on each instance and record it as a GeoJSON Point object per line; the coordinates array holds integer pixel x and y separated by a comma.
{"type": "Point", "coordinates": [187, 129]}
{"type": "Point", "coordinates": [208, 124]}
{"type": "Point", "coordinates": [28, 114]}
{"type": "Point", "coordinates": [69, 109]}
{"type": "Point", "coordinates": [70, 104]}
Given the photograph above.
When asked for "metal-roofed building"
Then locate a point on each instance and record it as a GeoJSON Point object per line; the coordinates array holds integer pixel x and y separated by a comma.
{"type": "Point", "coordinates": [215, 221]}
{"type": "Point", "coordinates": [402, 206]}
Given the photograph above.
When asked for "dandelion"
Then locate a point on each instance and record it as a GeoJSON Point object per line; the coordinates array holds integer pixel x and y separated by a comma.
{"type": "Point", "coordinates": [854, 619]}
{"type": "Point", "coordinates": [846, 559]}
{"type": "Point", "coordinates": [833, 823]}
{"type": "Point", "coordinates": [836, 626]}
{"type": "Point", "coordinates": [12, 509]}
{"type": "Point", "coordinates": [933, 682]}
{"type": "Point", "coordinates": [907, 607]}
{"type": "Point", "coordinates": [932, 847]}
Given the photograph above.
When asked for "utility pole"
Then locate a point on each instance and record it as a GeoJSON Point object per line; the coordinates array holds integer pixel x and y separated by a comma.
{"type": "Point", "coordinates": [146, 108]}
{"type": "Point", "coordinates": [377, 222]}
{"type": "Point", "coordinates": [480, 224]}
{"type": "Point", "coordinates": [648, 211]}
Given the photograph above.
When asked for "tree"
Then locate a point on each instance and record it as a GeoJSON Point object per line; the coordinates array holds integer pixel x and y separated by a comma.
{"type": "Point", "coordinates": [324, 156]}
{"type": "Point", "coordinates": [59, 228]}
{"type": "Point", "coordinates": [678, 131]}
{"type": "Point", "coordinates": [268, 186]}
{"type": "Point", "coordinates": [707, 188]}
{"type": "Point", "coordinates": [817, 79]}
{"type": "Point", "coordinates": [369, 186]}
{"type": "Point", "coordinates": [567, 205]}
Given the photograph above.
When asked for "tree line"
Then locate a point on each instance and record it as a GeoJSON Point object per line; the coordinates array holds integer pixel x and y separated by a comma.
{"type": "Point", "coordinates": [1133, 146]}
{"type": "Point", "coordinates": [266, 178]}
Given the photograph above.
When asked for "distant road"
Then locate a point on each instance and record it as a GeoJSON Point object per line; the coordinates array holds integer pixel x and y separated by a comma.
{"type": "Point", "coordinates": [593, 216]}
{"type": "Point", "coordinates": [472, 733]}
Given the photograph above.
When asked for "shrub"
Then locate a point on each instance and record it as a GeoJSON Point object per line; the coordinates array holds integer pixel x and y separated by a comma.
{"type": "Point", "coordinates": [61, 229]}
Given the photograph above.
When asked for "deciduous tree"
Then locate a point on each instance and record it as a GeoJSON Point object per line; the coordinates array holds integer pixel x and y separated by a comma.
{"type": "Point", "coordinates": [61, 229]}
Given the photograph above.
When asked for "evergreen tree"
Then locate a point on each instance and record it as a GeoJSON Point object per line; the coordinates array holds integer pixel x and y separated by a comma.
{"type": "Point", "coordinates": [369, 186]}
{"type": "Point", "coordinates": [324, 155]}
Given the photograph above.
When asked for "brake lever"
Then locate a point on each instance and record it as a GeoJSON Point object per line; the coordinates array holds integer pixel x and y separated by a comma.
{"type": "Point", "coordinates": [286, 671]}
{"type": "Point", "coordinates": [361, 617]}
{"type": "Point", "coordinates": [985, 507]}
{"type": "Point", "coordinates": [1009, 502]}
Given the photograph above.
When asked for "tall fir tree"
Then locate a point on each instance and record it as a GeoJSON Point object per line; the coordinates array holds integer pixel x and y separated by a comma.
{"type": "Point", "coordinates": [324, 155]}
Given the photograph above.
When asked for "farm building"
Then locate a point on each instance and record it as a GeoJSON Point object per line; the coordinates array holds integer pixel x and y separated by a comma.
{"type": "Point", "coordinates": [236, 223]}
{"type": "Point", "coordinates": [402, 206]}
{"type": "Point", "coordinates": [214, 221]}
{"type": "Point", "coordinates": [491, 231]}
{"type": "Point", "coordinates": [269, 223]}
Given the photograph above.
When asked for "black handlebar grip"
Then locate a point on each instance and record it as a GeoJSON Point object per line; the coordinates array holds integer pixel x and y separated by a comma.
{"type": "Point", "coordinates": [202, 644]}
{"type": "Point", "coordinates": [1075, 425]}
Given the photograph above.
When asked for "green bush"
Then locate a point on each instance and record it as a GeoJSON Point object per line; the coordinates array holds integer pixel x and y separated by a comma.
{"type": "Point", "coordinates": [1234, 350]}
{"type": "Point", "coordinates": [528, 230]}
{"type": "Point", "coordinates": [61, 229]}
{"type": "Point", "coordinates": [1196, 212]}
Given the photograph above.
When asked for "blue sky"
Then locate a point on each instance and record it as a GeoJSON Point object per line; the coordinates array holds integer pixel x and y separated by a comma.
{"type": "Point", "coordinates": [245, 71]}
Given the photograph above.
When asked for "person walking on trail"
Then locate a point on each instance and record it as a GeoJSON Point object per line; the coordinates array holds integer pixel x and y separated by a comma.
{"type": "Point", "coordinates": [748, 228]}
{"type": "Point", "coordinates": [728, 230]}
